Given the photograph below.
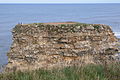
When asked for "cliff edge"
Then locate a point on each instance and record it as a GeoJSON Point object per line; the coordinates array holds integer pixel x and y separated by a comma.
{"type": "Point", "coordinates": [53, 45]}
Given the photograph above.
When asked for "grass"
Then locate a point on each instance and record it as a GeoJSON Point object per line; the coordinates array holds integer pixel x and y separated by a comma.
{"type": "Point", "coordinates": [89, 72]}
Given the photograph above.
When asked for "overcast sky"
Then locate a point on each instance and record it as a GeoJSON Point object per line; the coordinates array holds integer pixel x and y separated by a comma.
{"type": "Point", "coordinates": [59, 1]}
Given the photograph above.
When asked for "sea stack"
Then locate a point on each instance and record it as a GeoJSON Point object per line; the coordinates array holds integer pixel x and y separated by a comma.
{"type": "Point", "coordinates": [54, 45]}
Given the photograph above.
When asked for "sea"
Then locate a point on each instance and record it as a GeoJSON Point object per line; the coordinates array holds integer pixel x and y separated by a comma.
{"type": "Point", "coordinates": [12, 14]}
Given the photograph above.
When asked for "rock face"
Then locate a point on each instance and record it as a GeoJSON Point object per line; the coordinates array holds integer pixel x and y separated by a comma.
{"type": "Point", "coordinates": [52, 45]}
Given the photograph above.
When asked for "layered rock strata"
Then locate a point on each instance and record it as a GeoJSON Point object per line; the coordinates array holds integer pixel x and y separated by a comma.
{"type": "Point", "coordinates": [52, 45]}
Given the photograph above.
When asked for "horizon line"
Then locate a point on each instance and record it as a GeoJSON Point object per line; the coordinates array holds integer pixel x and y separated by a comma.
{"type": "Point", "coordinates": [59, 3]}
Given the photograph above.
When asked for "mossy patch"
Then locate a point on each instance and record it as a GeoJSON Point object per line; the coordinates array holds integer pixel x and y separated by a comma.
{"type": "Point", "coordinates": [96, 27]}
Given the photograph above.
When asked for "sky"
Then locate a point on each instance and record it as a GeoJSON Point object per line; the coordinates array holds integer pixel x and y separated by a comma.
{"type": "Point", "coordinates": [59, 1]}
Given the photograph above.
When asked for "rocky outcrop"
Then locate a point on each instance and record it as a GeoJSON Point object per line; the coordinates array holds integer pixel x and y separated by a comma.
{"type": "Point", "coordinates": [52, 45]}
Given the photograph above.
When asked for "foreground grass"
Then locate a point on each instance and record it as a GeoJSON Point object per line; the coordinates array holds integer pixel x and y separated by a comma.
{"type": "Point", "coordinates": [89, 72]}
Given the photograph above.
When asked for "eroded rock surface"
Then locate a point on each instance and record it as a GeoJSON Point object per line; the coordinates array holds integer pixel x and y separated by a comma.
{"type": "Point", "coordinates": [52, 45]}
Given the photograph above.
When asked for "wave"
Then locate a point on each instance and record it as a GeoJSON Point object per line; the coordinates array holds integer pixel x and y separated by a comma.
{"type": "Point", "coordinates": [117, 34]}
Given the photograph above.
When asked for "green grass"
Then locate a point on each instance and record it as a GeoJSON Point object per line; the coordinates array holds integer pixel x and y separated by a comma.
{"type": "Point", "coordinates": [89, 72]}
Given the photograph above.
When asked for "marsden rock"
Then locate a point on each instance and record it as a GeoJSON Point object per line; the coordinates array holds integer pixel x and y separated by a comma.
{"type": "Point", "coordinates": [52, 45]}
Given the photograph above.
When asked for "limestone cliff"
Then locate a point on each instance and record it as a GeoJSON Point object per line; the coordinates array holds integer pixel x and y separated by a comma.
{"type": "Point", "coordinates": [48, 45]}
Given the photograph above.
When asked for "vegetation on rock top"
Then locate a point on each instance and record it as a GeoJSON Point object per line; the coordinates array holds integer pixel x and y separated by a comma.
{"type": "Point", "coordinates": [57, 27]}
